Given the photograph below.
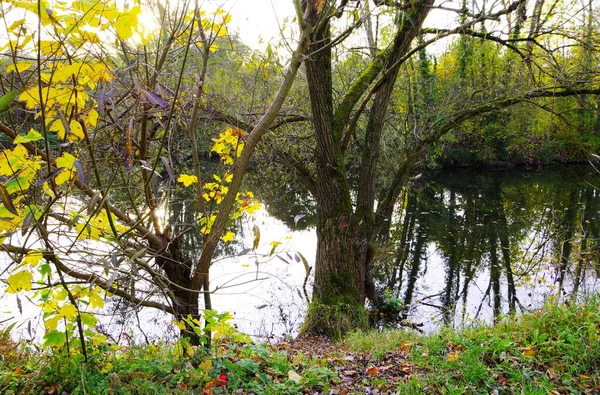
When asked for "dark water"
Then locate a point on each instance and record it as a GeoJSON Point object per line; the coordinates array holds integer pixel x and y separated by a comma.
{"type": "Point", "coordinates": [472, 246]}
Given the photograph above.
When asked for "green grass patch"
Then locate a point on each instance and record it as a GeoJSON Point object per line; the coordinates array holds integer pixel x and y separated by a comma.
{"type": "Point", "coordinates": [554, 349]}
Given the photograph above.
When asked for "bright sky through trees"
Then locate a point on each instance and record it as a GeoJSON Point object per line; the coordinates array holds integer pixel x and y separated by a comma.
{"type": "Point", "coordinates": [259, 22]}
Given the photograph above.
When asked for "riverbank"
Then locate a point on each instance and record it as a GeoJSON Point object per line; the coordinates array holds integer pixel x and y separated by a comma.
{"type": "Point", "coordinates": [555, 350]}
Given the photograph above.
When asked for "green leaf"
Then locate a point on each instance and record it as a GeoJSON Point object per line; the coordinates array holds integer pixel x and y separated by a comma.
{"type": "Point", "coordinates": [45, 269]}
{"type": "Point", "coordinates": [31, 136]}
{"type": "Point", "coordinates": [54, 339]}
{"type": "Point", "coordinates": [6, 100]}
{"type": "Point", "coordinates": [89, 319]}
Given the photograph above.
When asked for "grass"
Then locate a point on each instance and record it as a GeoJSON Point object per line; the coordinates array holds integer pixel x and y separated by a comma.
{"type": "Point", "coordinates": [553, 351]}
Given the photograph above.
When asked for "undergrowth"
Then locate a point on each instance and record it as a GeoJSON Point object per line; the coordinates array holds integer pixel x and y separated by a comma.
{"type": "Point", "coordinates": [553, 351]}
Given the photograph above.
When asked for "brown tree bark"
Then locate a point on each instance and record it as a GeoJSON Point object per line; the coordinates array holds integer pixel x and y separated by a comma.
{"type": "Point", "coordinates": [345, 235]}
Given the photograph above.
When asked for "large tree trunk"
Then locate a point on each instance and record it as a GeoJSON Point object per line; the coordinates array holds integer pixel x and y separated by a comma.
{"type": "Point", "coordinates": [338, 294]}
{"type": "Point", "coordinates": [344, 246]}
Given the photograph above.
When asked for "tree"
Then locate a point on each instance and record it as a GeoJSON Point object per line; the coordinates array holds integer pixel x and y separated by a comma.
{"type": "Point", "coordinates": [354, 210]}
{"type": "Point", "coordinates": [98, 165]}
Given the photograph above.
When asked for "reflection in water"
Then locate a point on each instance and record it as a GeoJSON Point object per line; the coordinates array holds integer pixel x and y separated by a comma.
{"type": "Point", "coordinates": [475, 246]}
{"type": "Point", "coordinates": [466, 247]}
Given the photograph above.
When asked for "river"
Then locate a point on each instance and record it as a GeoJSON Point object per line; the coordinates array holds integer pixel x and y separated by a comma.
{"type": "Point", "coordinates": [466, 247]}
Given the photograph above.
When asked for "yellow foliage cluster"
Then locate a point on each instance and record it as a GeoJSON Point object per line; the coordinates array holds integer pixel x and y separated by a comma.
{"type": "Point", "coordinates": [58, 88]}
{"type": "Point", "coordinates": [228, 146]}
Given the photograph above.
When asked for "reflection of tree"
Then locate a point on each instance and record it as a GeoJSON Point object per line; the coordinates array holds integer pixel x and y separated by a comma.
{"type": "Point", "coordinates": [495, 228]}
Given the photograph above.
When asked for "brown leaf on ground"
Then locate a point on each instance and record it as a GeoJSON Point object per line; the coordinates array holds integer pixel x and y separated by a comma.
{"type": "Point", "coordinates": [373, 371]}
{"type": "Point", "coordinates": [408, 369]}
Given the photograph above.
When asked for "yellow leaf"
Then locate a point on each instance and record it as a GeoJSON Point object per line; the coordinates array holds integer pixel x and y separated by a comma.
{"type": "Point", "coordinates": [51, 323]}
{"type": "Point", "coordinates": [19, 67]}
{"type": "Point", "coordinates": [33, 258]}
{"type": "Point", "coordinates": [31, 98]}
{"type": "Point", "coordinates": [61, 294]}
{"type": "Point", "coordinates": [187, 180]}
{"type": "Point", "coordinates": [67, 162]}
{"type": "Point", "coordinates": [68, 311]}
{"type": "Point", "coordinates": [206, 365]}
{"type": "Point", "coordinates": [96, 301]}
{"type": "Point", "coordinates": [20, 281]}
{"type": "Point", "coordinates": [126, 23]}
{"type": "Point", "coordinates": [98, 339]}
{"type": "Point", "coordinates": [59, 128]}
{"type": "Point", "coordinates": [76, 130]}
{"type": "Point", "coordinates": [92, 118]}
{"type": "Point", "coordinates": [228, 236]}
{"type": "Point", "coordinates": [453, 356]}
{"type": "Point", "coordinates": [50, 48]}
{"type": "Point", "coordinates": [47, 190]}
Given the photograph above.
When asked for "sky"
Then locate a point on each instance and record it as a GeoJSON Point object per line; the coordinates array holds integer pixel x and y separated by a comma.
{"type": "Point", "coordinates": [259, 21]}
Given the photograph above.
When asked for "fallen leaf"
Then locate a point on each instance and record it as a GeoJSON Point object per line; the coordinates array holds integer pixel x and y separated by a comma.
{"type": "Point", "coordinates": [425, 352]}
{"type": "Point", "coordinates": [373, 371]}
{"type": "Point", "coordinates": [297, 359]}
{"type": "Point", "coordinates": [551, 374]}
{"type": "Point", "coordinates": [295, 377]}
{"type": "Point", "coordinates": [552, 392]}
{"type": "Point", "coordinates": [19, 371]}
{"type": "Point", "coordinates": [347, 380]}
{"type": "Point", "coordinates": [453, 356]}
{"type": "Point", "coordinates": [529, 351]}
{"type": "Point", "coordinates": [406, 369]}
{"type": "Point", "coordinates": [350, 372]}
{"type": "Point", "coordinates": [182, 386]}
